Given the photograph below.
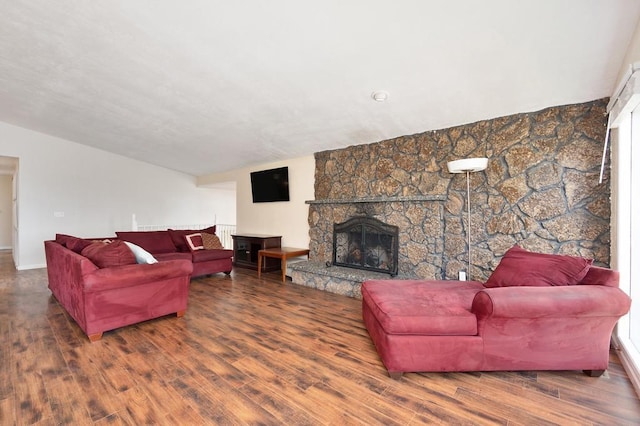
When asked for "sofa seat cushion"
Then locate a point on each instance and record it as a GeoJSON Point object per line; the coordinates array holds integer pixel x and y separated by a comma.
{"type": "Point", "coordinates": [161, 257]}
{"type": "Point", "coordinates": [214, 254]}
{"type": "Point", "coordinates": [154, 242]}
{"type": "Point", "coordinates": [419, 307]}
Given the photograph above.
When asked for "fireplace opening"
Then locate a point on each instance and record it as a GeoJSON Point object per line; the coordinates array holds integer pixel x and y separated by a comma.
{"type": "Point", "coordinates": [366, 243]}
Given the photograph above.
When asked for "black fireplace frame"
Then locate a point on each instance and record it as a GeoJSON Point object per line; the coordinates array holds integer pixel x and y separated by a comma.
{"type": "Point", "coordinates": [363, 225]}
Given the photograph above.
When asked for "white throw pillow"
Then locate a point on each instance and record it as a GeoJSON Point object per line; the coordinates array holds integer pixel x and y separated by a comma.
{"type": "Point", "coordinates": [142, 256]}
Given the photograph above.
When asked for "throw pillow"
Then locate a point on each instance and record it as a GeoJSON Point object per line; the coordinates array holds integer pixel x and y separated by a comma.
{"type": "Point", "coordinates": [78, 244]}
{"type": "Point", "coordinates": [194, 241]}
{"type": "Point", "coordinates": [141, 255]}
{"type": "Point", "coordinates": [177, 236]}
{"type": "Point", "coordinates": [520, 267]}
{"type": "Point", "coordinates": [211, 241]}
{"type": "Point", "coordinates": [107, 255]}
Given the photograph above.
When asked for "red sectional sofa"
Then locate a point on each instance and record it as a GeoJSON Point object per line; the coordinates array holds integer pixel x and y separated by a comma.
{"type": "Point", "coordinates": [172, 244]}
{"type": "Point", "coordinates": [117, 293]}
{"type": "Point", "coordinates": [518, 320]}
{"type": "Point", "coordinates": [103, 287]}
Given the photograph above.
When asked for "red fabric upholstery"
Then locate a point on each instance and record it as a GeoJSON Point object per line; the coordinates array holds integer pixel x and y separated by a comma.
{"type": "Point", "coordinates": [440, 307]}
{"type": "Point", "coordinates": [173, 256]}
{"type": "Point", "coordinates": [601, 276]}
{"type": "Point", "coordinates": [206, 255]}
{"type": "Point", "coordinates": [194, 241]}
{"type": "Point", "coordinates": [104, 299]}
{"type": "Point", "coordinates": [519, 267]}
{"type": "Point", "coordinates": [212, 266]}
{"type": "Point", "coordinates": [106, 255]}
{"type": "Point", "coordinates": [548, 328]}
{"type": "Point", "coordinates": [177, 236]}
{"type": "Point", "coordinates": [171, 244]}
{"type": "Point", "coordinates": [74, 243]}
{"type": "Point", "coordinates": [518, 327]}
{"type": "Point", "coordinates": [404, 353]}
{"type": "Point", "coordinates": [154, 242]}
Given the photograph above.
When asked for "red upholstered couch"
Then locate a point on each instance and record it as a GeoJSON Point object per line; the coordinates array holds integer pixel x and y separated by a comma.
{"type": "Point", "coordinates": [431, 326]}
{"type": "Point", "coordinates": [108, 297]}
{"type": "Point", "coordinates": [171, 244]}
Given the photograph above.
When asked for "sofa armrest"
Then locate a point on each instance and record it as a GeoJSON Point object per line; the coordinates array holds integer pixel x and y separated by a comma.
{"type": "Point", "coordinates": [130, 275]}
{"type": "Point", "coordinates": [551, 302]}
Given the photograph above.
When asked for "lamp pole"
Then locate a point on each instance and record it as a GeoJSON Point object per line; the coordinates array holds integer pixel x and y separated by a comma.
{"type": "Point", "coordinates": [466, 166]}
{"type": "Point", "coordinates": [468, 226]}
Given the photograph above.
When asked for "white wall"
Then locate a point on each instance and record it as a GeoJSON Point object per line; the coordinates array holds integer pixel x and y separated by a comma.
{"type": "Point", "coordinates": [96, 191]}
{"type": "Point", "coordinates": [287, 218]}
{"type": "Point", "coordinates": [621, 224]}
{"type": "Point", "coordinates": [631, 56]}
{"type": "Point", "coordinates": [225, 206]}
{"type": "Point", "coordinates": [6, 191]}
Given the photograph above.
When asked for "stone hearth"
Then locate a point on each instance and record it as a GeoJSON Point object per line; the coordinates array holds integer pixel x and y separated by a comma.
{"type": "Point", "coordinates": [334, 279]}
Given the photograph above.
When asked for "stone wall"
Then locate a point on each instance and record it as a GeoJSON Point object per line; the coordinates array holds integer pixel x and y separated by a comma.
{"type": "Point", "coordinates": [540, 191]}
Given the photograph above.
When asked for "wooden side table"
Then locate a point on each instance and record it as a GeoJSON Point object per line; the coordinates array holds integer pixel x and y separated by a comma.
{"type": "Point", "coordinates": [282, 253]}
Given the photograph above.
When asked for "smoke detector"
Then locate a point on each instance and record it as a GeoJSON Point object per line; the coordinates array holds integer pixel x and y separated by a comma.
{"type": "Point", "coordinates": [379, 96]}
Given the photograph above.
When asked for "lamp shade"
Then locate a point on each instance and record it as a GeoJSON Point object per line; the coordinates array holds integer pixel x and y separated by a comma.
{"type": "Point", "coordinates": [468, 165]}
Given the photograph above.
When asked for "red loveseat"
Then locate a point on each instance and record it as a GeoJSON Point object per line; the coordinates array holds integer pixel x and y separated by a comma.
{"type": "Point", "coordinates": [172, 244]}
{"type": "Point", "coordinates": [113, 291]}
{"type": "Point", "coordinates": [534, 313]}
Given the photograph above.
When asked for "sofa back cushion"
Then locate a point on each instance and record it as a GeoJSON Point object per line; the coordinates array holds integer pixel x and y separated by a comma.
{"type": "Point", "coordinates": [72, 243]}
{"type": "Point", "coordinates": [520, 267]}
{"type": "Point", "coordinates": [106, 255]}
{"type": "Point", "coordinates": [62, 239]}
{"type": "Point", "coordinates": [152, 241]}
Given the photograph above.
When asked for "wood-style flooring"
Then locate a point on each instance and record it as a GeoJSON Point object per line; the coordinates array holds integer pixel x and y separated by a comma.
{"type": "Point", "coordinates": [252, 351]}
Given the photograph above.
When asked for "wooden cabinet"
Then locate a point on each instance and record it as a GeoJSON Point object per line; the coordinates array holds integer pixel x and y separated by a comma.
{"type": "Point", "coordinates": [246, 247]}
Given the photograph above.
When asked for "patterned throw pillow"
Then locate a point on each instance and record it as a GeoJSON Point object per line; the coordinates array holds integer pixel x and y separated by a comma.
{"type": "Point", "coordinates": [194, 241]}
{"type": "Point", "coordinates": [211, 241]}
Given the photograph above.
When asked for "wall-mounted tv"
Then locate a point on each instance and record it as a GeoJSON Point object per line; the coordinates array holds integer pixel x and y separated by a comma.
{"type": "Point", "coordinates": [270, 185]}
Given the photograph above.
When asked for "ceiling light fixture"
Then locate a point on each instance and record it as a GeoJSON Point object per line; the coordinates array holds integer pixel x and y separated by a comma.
{"type": "Point", "coordinates": [379, 96]}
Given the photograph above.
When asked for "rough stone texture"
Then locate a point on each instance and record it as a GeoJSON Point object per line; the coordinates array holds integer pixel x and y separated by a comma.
{"type": "Point", "coordinates": [334, 279]}
{"type": "Point", "coordinates": [540, 191]}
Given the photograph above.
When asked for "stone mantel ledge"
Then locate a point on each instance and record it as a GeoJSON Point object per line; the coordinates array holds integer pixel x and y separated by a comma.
{"type": "Point", "coordinates": [401, 199]}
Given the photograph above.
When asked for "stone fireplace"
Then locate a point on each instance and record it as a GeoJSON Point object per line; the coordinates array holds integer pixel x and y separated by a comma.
{"type": "Point", "coordinates": [366, 243]}
{"type": "Point", "coordinates": [540, 191]}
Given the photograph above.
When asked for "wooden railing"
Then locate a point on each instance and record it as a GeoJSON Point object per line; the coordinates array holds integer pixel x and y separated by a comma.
{"type": "Point", "coordinates": [223, 231]}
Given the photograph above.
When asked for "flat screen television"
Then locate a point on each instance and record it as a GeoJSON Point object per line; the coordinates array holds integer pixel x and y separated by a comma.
{"type": "Point", "coordinates": [270, 185]}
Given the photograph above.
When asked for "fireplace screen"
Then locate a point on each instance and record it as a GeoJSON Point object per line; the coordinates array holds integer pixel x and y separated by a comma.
{"type": "Point", "coordinates": [366, 243]}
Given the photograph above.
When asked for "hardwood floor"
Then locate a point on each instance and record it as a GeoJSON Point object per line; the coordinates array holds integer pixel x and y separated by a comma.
{"type": "Point", "coordinates": [252, 351]}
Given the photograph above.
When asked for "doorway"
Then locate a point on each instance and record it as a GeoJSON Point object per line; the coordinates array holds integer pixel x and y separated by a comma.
{"type": "Point", "coordinates": [9, 205]}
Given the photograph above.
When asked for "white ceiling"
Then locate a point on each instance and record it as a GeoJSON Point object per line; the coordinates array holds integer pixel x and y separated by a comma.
{"type": "Point", "coordinates": [205, 86]}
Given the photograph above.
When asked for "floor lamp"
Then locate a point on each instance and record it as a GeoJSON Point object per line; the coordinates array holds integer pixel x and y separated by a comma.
{"type": "Point", "coordinates": [466, 166]}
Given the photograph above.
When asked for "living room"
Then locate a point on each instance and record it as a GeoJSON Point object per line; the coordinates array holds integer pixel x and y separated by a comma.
{"type": "Point", "coordinates": [65, 184]}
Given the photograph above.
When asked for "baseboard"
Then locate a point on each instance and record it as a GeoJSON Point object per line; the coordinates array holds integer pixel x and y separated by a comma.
{"type": "Point", "coordinates": [26, 267]}
{"type": "Point", "coordinates": [628, 364]}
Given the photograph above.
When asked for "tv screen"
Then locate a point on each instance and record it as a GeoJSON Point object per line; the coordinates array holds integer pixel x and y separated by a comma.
{"type": "Point", "coordinates": [270, 185]}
